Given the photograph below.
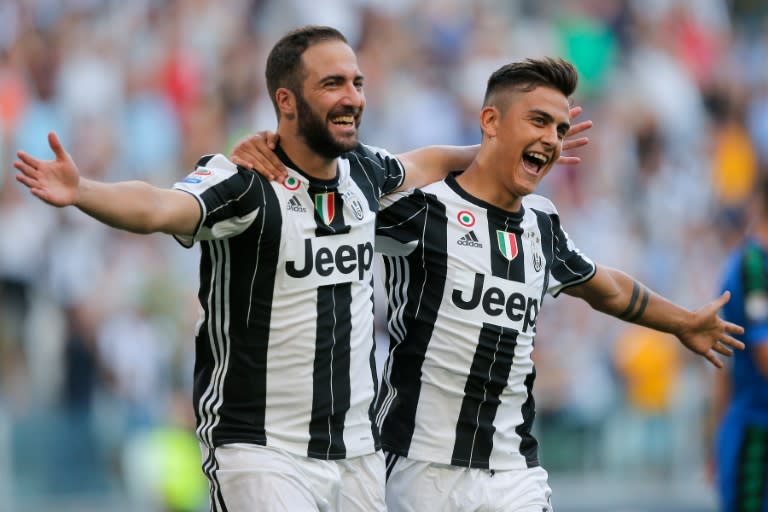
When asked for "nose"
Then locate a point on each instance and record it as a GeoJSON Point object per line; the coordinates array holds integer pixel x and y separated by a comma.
{"type": "Point", "coordinates": [353, 95]}
{"type": "Point", "coordinates": [550, 135]}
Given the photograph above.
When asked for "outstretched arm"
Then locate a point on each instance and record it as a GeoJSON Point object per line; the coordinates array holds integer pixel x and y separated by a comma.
{"type": "Point", "coordinates": [131, 205]}
{"type": "Point", "coordinates": [422, 166]}
{"type": "Point", "coordinates": [615, 293]}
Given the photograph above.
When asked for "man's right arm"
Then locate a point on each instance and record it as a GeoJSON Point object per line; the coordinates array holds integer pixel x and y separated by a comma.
{"type": "Point", "coordinates": [702, 331]}
{"type": "Point", "coordinates": [132, 205]}
{"type": "Point", "coordinates": [139, 207]}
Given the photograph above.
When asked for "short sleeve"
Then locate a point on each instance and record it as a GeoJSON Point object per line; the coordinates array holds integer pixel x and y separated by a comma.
{"type": "Point", "coordinates": [230, 198]}
{"type": "Point", "coordinates": [387, 171]}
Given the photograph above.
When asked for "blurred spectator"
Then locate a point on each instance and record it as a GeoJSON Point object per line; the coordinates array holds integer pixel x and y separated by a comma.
{"type": "Point", "coordinates": [648, 364]}
{"type": "Point", "coordinates": [23, 232]}
{"type": "Point", "coordinates": [588, 41]}
{"type": "Point", "coordinates": [735, 161]}
{"type": "Point", "coordinates": [162, 464]}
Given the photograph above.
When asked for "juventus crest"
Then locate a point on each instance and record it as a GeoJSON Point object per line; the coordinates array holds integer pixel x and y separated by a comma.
{"type": "Point", "coordinates": [536, 256]}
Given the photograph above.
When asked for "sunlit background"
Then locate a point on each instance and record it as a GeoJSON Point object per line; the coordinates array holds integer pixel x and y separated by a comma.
{"type": "Point", "coordinates": [96, 325]}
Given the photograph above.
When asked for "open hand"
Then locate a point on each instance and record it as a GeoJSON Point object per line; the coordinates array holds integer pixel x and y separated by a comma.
{"type": "Point", "coordinates": [54, 181]}
{"type": "Point", "coordinates": [709, 334]}
{"type": "Point", "coordinates": [571, 143]}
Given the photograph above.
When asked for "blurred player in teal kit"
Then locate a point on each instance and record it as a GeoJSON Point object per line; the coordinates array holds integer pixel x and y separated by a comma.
{"type": "Point", "coordinates": [741, 447]}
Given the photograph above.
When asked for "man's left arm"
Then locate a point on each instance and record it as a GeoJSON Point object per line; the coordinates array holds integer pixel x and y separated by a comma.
{"type": "Point", "coordinates": [702, 331]}
{"type": "Point", "coordinates": [433, 163]}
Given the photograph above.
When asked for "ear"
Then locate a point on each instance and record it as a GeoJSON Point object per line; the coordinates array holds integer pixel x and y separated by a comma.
{"type": "Point", "coordinates": [489, 120]}
{"type": "Point", "coordinates": [286, 102]}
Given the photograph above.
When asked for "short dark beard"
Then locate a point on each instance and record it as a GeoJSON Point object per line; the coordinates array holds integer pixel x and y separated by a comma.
{"type": "Point", "coordinates": [316, 133]}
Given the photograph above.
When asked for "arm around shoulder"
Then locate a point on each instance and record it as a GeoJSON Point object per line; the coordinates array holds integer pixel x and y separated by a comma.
{"type": "Point", "coordinates": [433, 163]}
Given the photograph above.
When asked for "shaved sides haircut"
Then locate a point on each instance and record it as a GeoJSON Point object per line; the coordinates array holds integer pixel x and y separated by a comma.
{"type": "Point", "coordinates": [526, 75]}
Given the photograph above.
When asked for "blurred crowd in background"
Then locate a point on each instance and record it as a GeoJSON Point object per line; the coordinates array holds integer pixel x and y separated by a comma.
{"type": "Point", "coordinates": [96, 325]}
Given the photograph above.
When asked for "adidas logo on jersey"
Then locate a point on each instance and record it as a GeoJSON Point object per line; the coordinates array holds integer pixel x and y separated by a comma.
{"type": "Point", "coordinates": [294, 205]}
{"type": "Point", "coordinates": [470, 240]}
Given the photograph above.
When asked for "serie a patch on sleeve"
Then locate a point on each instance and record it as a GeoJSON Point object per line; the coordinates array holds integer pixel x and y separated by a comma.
{"type": "Point", "coordinates": [198, 175]}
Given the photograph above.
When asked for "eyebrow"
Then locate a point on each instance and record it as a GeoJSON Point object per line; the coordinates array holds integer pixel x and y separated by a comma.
{"type": "Point", "coordinates": [564, 125]}
{"type": "Point", "coordinates": [341, 77]}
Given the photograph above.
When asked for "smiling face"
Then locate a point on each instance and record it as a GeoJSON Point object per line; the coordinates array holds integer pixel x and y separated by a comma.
{"type": "Point", "coordinates": [525, 132]}
{"type": "Point", "coordinates": [330, 105]}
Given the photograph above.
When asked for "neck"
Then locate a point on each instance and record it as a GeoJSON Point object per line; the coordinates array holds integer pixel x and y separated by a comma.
{"type": "Point", "coordinates": [478, 180]}
{"type": "Point", "coordinates": [307, 160]}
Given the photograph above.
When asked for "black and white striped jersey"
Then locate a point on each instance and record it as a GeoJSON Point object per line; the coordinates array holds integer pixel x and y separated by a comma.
{"type": "Point", "coordinates": [285, 342]}
{"type": "Point", "coordinates": [465, 281]}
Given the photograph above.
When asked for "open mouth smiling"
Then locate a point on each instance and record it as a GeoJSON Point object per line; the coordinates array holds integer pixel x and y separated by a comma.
{"type": "Point", "coordinates": [534, 161]}
{"type": "Point", "coordinates": [346, 120]}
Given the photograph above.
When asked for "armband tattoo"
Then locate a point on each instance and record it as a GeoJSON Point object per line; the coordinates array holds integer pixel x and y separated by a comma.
{"type": "Point", "coordinates": [633, 312]}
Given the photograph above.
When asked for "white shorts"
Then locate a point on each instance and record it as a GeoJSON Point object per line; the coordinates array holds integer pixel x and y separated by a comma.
{"type": "Point", "coordinates": [246, 477]}
{"type": "Point", "coordinates": [415, 486]}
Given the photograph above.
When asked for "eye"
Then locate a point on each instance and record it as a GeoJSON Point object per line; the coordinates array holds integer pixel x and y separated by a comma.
{"type": "Point", "coordinates": [333, 82]}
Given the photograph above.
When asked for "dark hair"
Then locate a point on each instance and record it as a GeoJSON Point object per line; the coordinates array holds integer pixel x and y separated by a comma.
{"type": "Point", "coordinates": [524, 76]}
{"type": "Point", "coordinates": [284, 65]}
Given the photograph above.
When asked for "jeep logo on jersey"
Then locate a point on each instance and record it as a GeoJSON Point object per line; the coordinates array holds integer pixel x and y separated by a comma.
{"type": "Point", "coordinates": [346, 259]}
{"type": "Point", "coordinates": [507, 244]}
{"type": "Point", "coordinates": [324, 204]}
{"type": "Point", "coordinates": [495, 302]}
